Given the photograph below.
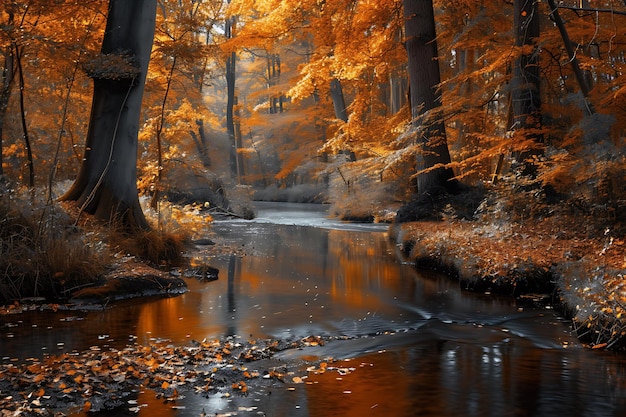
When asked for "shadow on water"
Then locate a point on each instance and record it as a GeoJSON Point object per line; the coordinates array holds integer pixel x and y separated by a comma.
{"type": "Point", "coordinates": [414, 343]}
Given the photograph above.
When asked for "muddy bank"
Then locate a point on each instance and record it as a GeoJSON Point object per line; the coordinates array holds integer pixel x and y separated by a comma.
{"type": "Point", "coordinates": [129, 278]}
{"type": "Point", "coordinates": [553, 260]}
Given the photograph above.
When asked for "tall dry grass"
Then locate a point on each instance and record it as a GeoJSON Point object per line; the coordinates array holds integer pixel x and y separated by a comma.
{"type": "Point", "coordinates": [42, 254]}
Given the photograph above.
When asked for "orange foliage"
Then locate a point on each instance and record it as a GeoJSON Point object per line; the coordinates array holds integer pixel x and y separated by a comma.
{"type": "Point", "coordinates": [289, 52]}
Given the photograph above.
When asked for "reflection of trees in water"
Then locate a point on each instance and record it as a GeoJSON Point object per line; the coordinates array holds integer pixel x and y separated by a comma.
{"type": "Point", "coordinates": [487, 376]}
{"type": "Point", "coordinates": [234, 269]}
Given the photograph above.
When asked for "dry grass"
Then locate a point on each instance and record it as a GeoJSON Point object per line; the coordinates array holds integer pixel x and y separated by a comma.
{"type": "Point", "coordinates": [154, 246]}
{"type": "Point", "coordinates": [44, 253]}
{"type": "Point", "coordinates": [41, 253]}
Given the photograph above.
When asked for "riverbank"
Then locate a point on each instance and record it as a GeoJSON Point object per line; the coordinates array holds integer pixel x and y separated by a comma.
{"type": "Point", "coordinates": [564, 260]}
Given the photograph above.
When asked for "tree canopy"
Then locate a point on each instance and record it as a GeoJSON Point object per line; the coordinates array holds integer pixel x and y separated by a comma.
{"type": "Point", "coordinates": [323, 94]}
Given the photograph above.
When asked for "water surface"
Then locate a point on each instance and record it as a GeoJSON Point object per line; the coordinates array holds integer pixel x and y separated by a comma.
{"type": "Point", "coordinates": [415, 344]}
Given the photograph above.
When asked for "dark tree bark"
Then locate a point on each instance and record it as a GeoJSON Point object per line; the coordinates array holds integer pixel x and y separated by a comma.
{"type": "Point", "coordinates": [106, 185]}
{"type": "Point", "coordinates": [273, 78]}
{"type": "Point", "coordinates": [25, 135]}
{"type": "Point", "coordinates": [339, 102]}
{"type": "Point", "coordinates": [525, 85]}
{"type": "Point", "coordinates": [424, 79]}
{"type": "Point", "coordinates": [583, 82]}
{"type": "Point", "coordinates": [6, 81]}
{"type": "Point", "coordinates": [202, 143]}
{"type": "Point", "coordinates": [230, 98]}
{"type": "Point", "coordinates": [238, 142]}
{"type": "Point", "coordinates": [7, 76]}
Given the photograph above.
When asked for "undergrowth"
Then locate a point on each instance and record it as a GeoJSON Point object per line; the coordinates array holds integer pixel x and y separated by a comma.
{"type": "Point", "coordinates": [358, 195]}
{"type": "Point", "coordinates": [46, 253]}
{"type": "Point", "coordinates": [42, 254]}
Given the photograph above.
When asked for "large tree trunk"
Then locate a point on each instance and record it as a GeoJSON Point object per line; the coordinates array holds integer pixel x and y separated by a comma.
{"type": "Point", "coordinates": [106, 185]}
{"type": "Point", "coordinates": [424, 79]}
{"type": "Point", "coordinates": [525, 85]}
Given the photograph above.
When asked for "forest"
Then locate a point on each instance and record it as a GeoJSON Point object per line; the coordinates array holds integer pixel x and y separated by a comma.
{"type": "Point", "coordinates": [501, 113]}
{"type": "Point", "coordinates": [488, 139]}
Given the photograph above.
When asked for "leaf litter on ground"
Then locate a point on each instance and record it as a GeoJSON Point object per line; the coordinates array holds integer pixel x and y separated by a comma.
{"type": "Point", "coordinates": [99, 379]}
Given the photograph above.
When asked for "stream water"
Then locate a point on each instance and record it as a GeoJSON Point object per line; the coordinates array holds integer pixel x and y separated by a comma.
{"type": "Point", "coordinates": [415, 345]}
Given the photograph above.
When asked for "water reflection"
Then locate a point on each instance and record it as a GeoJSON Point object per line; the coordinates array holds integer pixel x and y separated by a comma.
{"type": "Point", "coordinates": [417, 344]}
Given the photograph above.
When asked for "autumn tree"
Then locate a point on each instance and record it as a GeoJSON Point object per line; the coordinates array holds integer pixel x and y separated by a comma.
{"type": "Point", "coordinates": [424, 77]}
{"type": "Point", "coordinates": [230, 28]}
{"type": "Point", "coordinates": [106, 183]}
{"type": "Point", "coordinates": [347, 52]}
{"type": "Point", "coordinates": [6, 78]}
{"type": "Point", "coordinates": [51, 51]}
{"type": "Point", "coordinates": [178, 50]}
{"type": "Point", "coordinates": [525, 83]}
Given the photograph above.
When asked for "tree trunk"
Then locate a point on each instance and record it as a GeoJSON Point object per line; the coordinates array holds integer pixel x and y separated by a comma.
{"type": "Point", "coordinates": [398, 88]}
{"type": "Point", "coordinates": [238, 142]}
{"type": "Point", "coordinates": [5, 92]}
{"type": "Point", "coordinates": [202, 144]}
{"type": "Point", "coordinates": [230, 98]}
{"type": "Point", "coordinates": [583, 82]}
{"type": "Point", "coordinates": [339, 103]}
{"type": "Point", "coordinates": [106, 185]}
{"type": "Point", "coordinates": [424, 78]}
{"type": "Point", "coordinates": [26, 136]}
{"type": "Point", "coordinates": [525, 85]}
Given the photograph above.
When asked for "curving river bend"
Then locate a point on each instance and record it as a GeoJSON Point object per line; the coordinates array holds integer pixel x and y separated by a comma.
{"type": "Point", "coordinates": [415, 344]}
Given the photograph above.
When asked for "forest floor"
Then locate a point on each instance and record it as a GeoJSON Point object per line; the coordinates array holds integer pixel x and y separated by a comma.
{"type": "Point", "coordinates": [573, 261]}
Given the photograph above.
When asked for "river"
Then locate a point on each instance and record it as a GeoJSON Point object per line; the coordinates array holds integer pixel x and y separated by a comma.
{"type": "Point", "coordinates": [413, 343]}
